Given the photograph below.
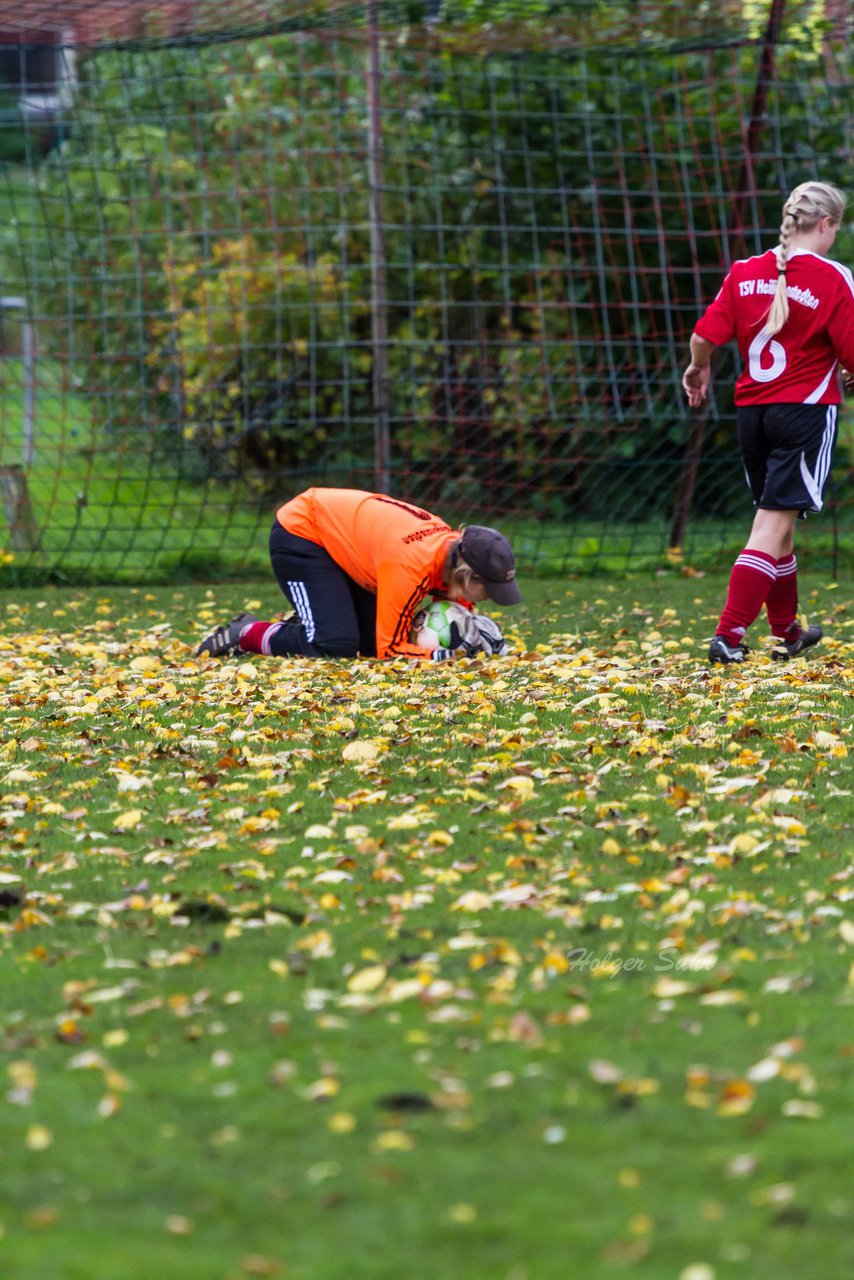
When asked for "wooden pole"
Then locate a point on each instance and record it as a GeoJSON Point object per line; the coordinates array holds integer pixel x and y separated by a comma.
{"type": "Point", "coordinates": [14, 491]}
{"type": "Point", "coordinates": [29, 363]}
{"type": "Point", "coordinates": [23, 530]}
{"type": "Point", "coordinates": [745, 188]}
{"type": "Point", "coordinates": [746, 185]}
{"type": "Point", "coordinates": [379, 282]}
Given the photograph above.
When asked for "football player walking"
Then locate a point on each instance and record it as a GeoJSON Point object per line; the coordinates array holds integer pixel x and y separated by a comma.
{"type": "Point", "coordinates": [791, 312]}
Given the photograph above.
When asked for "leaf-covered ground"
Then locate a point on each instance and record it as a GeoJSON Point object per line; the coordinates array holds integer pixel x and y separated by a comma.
{"type": "Point", "coordinates": [496, 971]}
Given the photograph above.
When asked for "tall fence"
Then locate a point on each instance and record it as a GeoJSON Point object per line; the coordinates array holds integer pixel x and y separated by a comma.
{"type": "Point", "coordinates": [449, 250]}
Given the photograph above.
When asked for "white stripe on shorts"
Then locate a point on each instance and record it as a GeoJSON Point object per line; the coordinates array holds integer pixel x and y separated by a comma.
{"type": "Point", "coordinates": [815, 482]}
{"type": "Point", "coordinates": [299, 595]}
{"type": "Point", "coordinates": [822, 470]}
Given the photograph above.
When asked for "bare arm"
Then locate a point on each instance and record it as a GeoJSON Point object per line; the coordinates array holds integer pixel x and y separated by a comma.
{"type": "Point", "coordinates": [695, 379]}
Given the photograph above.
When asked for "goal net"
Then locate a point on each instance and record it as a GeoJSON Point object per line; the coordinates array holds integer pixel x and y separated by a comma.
{"type": "Point", "coordinates": [452, 250]}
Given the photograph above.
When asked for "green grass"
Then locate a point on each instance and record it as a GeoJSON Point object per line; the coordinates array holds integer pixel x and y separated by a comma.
{"type": "Point", "coordinates": [111, 511]}
{"type": "Point", "coordinates": [307, 1015]}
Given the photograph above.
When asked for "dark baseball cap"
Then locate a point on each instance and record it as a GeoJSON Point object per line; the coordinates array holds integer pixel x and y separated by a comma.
{"type": "Point", "coordinates": [490, 555]}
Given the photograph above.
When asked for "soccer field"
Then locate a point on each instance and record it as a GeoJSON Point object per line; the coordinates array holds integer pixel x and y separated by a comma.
{"type": "Point", "coordinates": [507, 970]}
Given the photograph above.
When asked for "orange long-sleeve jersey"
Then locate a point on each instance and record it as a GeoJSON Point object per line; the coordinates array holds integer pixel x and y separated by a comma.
{"type": "Point", "coordinates": [393, 549]}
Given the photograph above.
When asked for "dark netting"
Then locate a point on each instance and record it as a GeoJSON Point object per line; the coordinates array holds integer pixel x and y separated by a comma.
{"type": "Point", "coordinates": [452, 251]}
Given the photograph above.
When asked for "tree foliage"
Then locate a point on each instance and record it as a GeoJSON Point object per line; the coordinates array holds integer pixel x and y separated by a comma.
{"type": "Point", "coordinates": [553, 224]}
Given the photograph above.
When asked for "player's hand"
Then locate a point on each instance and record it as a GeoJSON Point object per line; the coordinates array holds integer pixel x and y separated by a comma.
{"type": "Point", "coordinates": [465, 642]}
{"type": "Point", "coordinates": [848, 378]}
{"type": "Point", "coordinates": [695, 383]}
{"type": "Point", "coordinates": [493, 641]}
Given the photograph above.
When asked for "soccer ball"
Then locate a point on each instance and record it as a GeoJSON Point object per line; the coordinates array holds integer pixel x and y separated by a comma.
{"type": "Point", "coordinates": [431, 627]}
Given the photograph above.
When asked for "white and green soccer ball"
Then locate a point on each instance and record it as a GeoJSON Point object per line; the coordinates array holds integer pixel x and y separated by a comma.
{"type": "Point", "coordinates": [432, 627]}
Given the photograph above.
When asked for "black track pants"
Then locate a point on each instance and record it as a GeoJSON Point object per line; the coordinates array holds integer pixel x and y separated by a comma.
{"type": "Point", "coordinates": [336, 618]}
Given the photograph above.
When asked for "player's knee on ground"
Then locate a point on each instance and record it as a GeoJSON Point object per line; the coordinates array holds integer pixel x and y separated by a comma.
{"type": "Point", "coordinates": [343, 646]}
{"type": "Point", "coordinates": [291, 640]}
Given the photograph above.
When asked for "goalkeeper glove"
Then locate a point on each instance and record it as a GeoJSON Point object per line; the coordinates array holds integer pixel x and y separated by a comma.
{"type": "Point", "coordinates": [463, 643]}
{"type": "Point", "coordinates": [492, 640]}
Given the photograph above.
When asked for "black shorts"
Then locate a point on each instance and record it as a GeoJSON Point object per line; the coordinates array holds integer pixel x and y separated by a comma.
{"type": "Point", "coordinates": [787, 451]}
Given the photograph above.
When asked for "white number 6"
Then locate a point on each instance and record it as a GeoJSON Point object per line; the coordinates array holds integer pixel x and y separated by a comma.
{"type": "Point", "coordinates": [758, 372]}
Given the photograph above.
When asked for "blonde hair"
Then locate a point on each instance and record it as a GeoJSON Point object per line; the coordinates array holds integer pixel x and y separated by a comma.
{"type": "Point", "coordinates": [462, 576]}
{"type": "Point", "coordinates": [459, 574]}
{"type": "Point", "coordinates": [804, 209]}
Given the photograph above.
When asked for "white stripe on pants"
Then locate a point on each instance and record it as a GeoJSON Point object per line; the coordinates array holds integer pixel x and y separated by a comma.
{"type": "Point", "coordinates": [299, 595]}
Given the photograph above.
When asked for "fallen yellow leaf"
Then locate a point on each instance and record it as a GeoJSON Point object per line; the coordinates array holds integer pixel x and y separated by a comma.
{"type": "Point", "coordinates": [127, 821]}
{"type": "Point", "coordinates": [368, 979]}
{"type": "Point", "coordinates": [39, 1138]}
{"type": "Point", "coordinates": [146, 662]}
{"type": "Point", "coordinates": [666, 988]}
{"type": "Point", "coordinates": [394, 1140]}
{"type": "Point", "coordinates": [360, 750]}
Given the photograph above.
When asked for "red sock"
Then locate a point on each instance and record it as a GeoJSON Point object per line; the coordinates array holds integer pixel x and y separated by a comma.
{"type": "Point", "coordinates": [256, 638]}
{"type": "Point", "coordinates": [753, 575]}
{"type": "Point", "coordinates": [782, 600]}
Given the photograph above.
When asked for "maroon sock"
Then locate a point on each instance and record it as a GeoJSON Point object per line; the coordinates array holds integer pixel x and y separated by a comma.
{"type": "Point", "coordinates": [782, 600]}
{"type": "Point", "coordinates": [753, 575]}
{"type": "Point", "coordinates": [256, 638]}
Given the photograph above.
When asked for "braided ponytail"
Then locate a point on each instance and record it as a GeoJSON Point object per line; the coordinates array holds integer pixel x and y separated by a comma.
{"type": "Point", "coordinates": [779, 311]}
{"type": "Point", "coordinates": [806, 206]}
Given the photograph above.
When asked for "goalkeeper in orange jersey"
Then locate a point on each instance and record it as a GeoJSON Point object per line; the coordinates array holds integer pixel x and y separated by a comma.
{"type": "Point", "coordinates": [356, 566]}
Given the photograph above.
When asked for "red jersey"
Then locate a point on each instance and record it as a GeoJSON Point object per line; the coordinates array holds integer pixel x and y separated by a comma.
{"type": "Point", "coordinates": [799, 364]}
{"type": "Point", "coordinates": [391, 548]}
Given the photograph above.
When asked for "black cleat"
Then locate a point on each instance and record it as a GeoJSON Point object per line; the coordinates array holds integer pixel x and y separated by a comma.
{"type": "Point", "coordinates": [785, 649]}
{"type": "Point", "coordinates": [226, 639]}
{"type": "Point", "coordinates": [720, 650]}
